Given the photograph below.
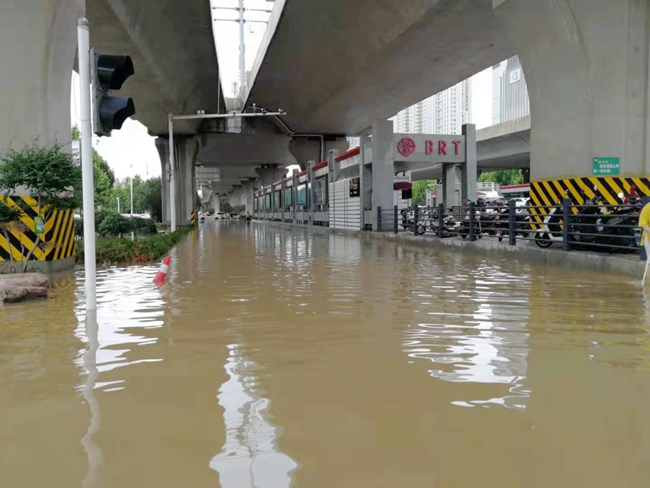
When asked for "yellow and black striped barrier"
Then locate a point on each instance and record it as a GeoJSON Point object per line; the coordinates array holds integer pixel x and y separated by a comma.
{"type": "Point", "coordinates": [194, 218]}
{"type": "Point", "coordinates": [57, 242]}
{"type": "Point", "coordinates": [552, 192]}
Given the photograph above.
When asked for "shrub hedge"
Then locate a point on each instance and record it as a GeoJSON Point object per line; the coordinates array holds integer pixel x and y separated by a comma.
{"type": "Point", "coordinates": [112, 224]}
{"type": "Point", "coordinates": [125, 251]}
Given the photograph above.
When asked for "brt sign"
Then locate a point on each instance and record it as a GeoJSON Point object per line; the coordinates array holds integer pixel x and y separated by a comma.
{"type": "Point", "coordinates": [430, 149]}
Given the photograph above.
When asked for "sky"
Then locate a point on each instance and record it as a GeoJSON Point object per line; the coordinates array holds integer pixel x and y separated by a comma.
{"type": "Point", "coordinates": [131, 151]}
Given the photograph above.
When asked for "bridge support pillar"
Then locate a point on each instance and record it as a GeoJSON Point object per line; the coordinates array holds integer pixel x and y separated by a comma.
{"type": "Point", "coordinates": [306, 149]}
{"type": "Point", "coordinates": [249, 190]}
{"type": "Point", "coordinates": [383, 168]}
{"type": "Point", "coordinates": [185, 177]}
{"type": "Point", "coordinates": [269, 174]}
{"type": "Point", "coordinates": [586, 66]}
{"type": "Point", "coordinates": [38, 43]}
{"type": "Point", "coordinates": [452, 179]}
{"type": "Point", "coordinates": [163, 151]}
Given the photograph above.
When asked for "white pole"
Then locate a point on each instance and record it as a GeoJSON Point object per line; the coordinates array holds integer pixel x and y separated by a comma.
{"type": "Point", "coordinates": [172, 175]}
{"type": "Point", "coordinates": [119, 211]}
{"type": "Point", "coordinates": [83, 35]}
{"type": "Point", "coordinates": [131, 194]}
{"type": "Point", "coordinates": [242, 51]}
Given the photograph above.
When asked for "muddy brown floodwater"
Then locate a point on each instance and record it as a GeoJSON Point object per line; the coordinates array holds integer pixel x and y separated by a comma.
{"type": "Point", "coordinates": [275, 357]}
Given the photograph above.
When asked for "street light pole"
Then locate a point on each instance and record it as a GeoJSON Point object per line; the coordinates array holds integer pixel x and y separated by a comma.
{"type": "Point", "coordinates": [131, 193]}
{"type": "Point", "coordinates": [242, 50]}
{"type": "Point", "coordinates": [88, 187]}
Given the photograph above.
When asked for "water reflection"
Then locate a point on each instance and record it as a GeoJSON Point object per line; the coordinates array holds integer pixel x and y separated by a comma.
{"type": "Point", "coordinates": [249, 457]}
{"type": "Point", "coordinates": [93, 451]}
{"type": "Point", "coordinates": [472, 327]}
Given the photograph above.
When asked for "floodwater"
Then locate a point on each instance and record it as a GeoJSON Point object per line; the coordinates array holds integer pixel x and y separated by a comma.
{"type": "Point", "coordinates": [279, 357]}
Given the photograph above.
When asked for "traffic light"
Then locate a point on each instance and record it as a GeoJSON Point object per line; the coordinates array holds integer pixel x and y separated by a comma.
{"type": "Point", "coordinates": [109, 72]}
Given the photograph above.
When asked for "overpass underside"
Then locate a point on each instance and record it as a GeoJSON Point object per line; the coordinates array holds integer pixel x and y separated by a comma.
{"type": "Point", "coordinates": [338, 68]}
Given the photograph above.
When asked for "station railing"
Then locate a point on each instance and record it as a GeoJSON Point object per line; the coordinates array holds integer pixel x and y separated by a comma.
{"type": "Point", "coordinates": [591, 227]}
{"type": "Point", "coordinates": [601, 228]}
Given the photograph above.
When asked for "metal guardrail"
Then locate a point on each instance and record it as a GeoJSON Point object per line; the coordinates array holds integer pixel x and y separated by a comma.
{"type": "Point", "coordinates": [593, 227]}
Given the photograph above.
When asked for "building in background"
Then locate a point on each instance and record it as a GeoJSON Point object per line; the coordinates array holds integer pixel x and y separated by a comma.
{"type": "Point", "coordinates": [443, 113]}
{"type": "Point", "coordinates": [354, 141]}
{"type": "Point", "coordinates": [509, 92]}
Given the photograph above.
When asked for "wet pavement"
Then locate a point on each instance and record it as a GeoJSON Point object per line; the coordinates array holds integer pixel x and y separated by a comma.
{"type": "Point", "coordinates": [274, 357]}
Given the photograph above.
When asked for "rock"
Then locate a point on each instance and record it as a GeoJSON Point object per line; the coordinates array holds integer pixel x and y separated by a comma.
{"type": "Point", "coordinates": [26, 279]}
{"type": "Point", "coordinates": [14, 294]}
{"type": "Point", "coordinates": [19, 287]}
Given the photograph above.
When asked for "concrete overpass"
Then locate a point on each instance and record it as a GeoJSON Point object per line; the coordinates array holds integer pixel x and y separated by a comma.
{"type": "Point", "coordinates": [499, 147]}
{"type": "Point", "coordinates": [339, 68]}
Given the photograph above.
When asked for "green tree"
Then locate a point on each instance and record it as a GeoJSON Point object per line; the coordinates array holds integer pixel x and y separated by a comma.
{"type": "Point", "coordinates": [103, 175]}
{"type": "Point", "coordinates": [47, 173]}
{"type": "Point", "coordinates": [420, 191]}
{"type": "Point", "coordinates": [151, 197]}
{"type": "Point", "coordinates": [505, 178]}
{"type": "Point", "coordinates": [147, 196]}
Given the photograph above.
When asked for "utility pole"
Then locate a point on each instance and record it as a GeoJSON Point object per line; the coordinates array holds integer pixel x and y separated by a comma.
{"type": "Point", "coordinates": [241, 20]}
{"type": "Point", "coordinates": [242, 47]}
{"type": "Point", "coordinates": [131, 189]}
{"type": "Point", "coordinates": [88, 186]}
{"type": "Point", "coordinates": [119, 210]}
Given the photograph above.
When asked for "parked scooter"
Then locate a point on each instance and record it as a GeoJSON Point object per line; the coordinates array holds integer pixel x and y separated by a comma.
{"type": "Point", "coordinates": [550, 230]}
{"type": "Point", "coordinates": [449, 226]}
{"type": "Point", "coordinates": [522, 223]}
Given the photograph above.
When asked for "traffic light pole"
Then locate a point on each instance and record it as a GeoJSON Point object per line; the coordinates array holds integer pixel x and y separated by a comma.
{"type": "Point", "coordinates": [83, 36]}
{"type": "Point", "coordinates": [172, 159]}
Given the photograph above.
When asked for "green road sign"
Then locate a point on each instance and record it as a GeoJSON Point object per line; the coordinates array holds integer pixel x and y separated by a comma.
{"type": "Point", "coordinates": [39, 226]}
{"type": "Point", "coordinates": [607, 166]}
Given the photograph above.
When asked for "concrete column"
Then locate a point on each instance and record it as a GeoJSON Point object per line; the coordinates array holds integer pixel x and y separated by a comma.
{"type": "Point", "coordinates": [452, 184]}
{"type": "Point", "coordinates": [186, 181]}
{"type": "Point", "coordinates": [162, 145]}
{"type": "Point", "coordinates": [586, 66]}
{"type": "Point", "coordinates": [215, 202]}
{"type": "Point", "coordinates": [306, 149]}
{"type": "Point", "coordinates": [365, 181]}
{"type": "Point", "coordinates": [294, 197]}
{"type": "Point", "coordinates": [38, 44]}
{"type": "Point", "coordinates": [269, 174]}
{"type": "Point", "coordinates": [282, 198]}
{"type": "Point", "coordinates": [383, 168]}
{"type": "Point", "coordinates": [240, 197]}
{"type": "Point", "coordinates": [310, 191]}
{"type": "Point", "coordinates": [470, 171]}
{"type": "Point", "coordinates": [249, 187]}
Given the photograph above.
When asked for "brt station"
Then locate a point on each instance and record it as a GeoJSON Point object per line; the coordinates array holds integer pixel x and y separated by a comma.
{"type": "Point", "coordinates": [355, 189]}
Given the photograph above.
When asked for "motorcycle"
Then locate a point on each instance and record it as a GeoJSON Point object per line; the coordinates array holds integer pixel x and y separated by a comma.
{"type": "Point", "coordinates": [592, 226]}
{"type": "Point", "coordinates": [490, 216]}
{"type": "Point", "coordinates": [464, 227]}
{"type": "Point", "coordinates": [550, 230]}
{"type": "Point", "coordinates": [522, 224]}
{"type": "Point", "coordinates": [449, 226]}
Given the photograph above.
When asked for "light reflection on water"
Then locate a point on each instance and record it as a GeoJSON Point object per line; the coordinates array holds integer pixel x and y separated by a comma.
{"type": "Point", "coordinates": [284, 358]}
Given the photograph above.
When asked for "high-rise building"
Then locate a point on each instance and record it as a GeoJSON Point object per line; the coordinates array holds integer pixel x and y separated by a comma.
{"type": "Point", "coordinates": [443, 113]}
{"type": "Point", "coordinates": [509, 91]}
